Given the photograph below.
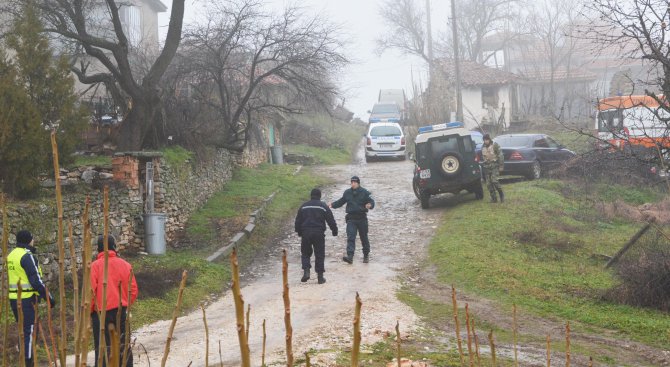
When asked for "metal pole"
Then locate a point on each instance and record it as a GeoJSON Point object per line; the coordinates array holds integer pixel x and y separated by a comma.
{"type": "Point", "coordinates": [429, 37]}
{"type": "Point", "coordinates": [457, 63]}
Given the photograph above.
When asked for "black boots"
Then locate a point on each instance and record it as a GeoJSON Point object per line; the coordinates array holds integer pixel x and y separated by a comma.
{"type": "Point", "coordinates": [366, 258]}
{"type": "Point", "coordinates": [321, 278]}
{"type": "Point", "coordinates": [305, 276]}
{"type": "Point", "coordinates": [502, 196]}
{"type": "Point", "coordinates": [348, 259]}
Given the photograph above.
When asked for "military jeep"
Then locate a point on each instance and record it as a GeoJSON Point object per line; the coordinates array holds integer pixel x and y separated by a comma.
{"type": "Point", "coordinates": [446, 162]}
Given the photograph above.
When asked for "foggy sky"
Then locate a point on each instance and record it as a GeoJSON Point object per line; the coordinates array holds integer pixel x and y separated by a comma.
{"type": "Point", "coordinates": [360, 19]}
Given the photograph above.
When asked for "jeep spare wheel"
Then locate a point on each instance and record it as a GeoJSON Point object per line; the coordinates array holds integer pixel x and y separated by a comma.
{"type": "Point", "coordinates": [451, 164]}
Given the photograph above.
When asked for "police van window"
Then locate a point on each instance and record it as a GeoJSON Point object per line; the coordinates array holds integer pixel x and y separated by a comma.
{"type": "Point", "coordinates": [385, 131]}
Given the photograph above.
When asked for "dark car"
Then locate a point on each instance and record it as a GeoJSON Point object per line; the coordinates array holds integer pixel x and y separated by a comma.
{"type": "Point", "coordinates": [446, 162]}
{"type": "Point", "coordinates": [531, 155]}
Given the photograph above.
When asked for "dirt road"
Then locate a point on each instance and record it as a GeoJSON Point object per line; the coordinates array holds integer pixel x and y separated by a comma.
{"type": "Point", "coordinates": [322, 315]}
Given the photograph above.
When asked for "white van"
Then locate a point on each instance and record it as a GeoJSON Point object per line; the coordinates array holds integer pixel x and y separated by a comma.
{"type": "Point", "coordinates": [384, 139]}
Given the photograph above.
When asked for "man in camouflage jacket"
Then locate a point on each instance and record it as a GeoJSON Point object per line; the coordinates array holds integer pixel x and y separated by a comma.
{"type": "Point", "coordinates": [493, 163]}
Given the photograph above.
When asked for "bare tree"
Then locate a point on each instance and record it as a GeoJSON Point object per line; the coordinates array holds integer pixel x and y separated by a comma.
{"type": "Point", "coordinates": [478, 19]}
{"type": "Point", "coordinates": [406, 23]}
{"type": "Point", "coordinates": [245, 62]}
{"type": "Point", "coordinates": [107, 56]}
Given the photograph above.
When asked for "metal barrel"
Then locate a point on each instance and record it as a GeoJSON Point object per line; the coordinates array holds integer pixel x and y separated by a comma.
{"type": "Point", "coordinates": [277, 154]}
{"type": "Point", "coordinates": [154, 233]}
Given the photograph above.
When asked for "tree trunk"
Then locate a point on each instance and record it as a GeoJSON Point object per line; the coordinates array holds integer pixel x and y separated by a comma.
{"type": "Point", "coordinates": [140, 129]}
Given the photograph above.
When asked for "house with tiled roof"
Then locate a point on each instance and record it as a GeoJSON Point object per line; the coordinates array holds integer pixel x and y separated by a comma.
{"type": "Point", "coordinates": [490, 95]}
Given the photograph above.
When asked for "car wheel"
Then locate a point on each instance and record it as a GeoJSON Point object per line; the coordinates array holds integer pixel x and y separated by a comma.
{"type": "Point", "coordinates": [535, 171]}
{"type": "Point", "coordinates": [451, 164]}
{"type": "Point", "coordinates": [425, 200]}
{"type": "Point", "coordinates": [403, 157]}
{"type": "Point", "coordinates": [368, 159]}
{"type": "Point", "coordinates": [479, 191]}
{"type": "Point", "coordinates": [417, 191]}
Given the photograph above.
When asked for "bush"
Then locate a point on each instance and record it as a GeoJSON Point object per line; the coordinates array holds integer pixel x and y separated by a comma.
{"type": "Point", "coordinates": [645, 274]}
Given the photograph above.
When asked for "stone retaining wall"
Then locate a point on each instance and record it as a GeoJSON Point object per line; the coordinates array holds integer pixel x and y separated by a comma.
{"type": "Point", "coordinates": [179, 191]}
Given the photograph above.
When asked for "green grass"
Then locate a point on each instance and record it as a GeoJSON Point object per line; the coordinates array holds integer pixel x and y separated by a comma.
{"type": "Point", "coordinates": [177, 156]}
{"type": "Point", "coordinates": [332, 155]}
{"type": "Point", "coordinates": [639, 196]}
{"type": "Point", "coordinates": [543, 259]}
{"type": "Point", "coordinates": [86, 160]}
{"type": "Point", "coordinates": [204, 278]}
{"type": "Point", "coordinates": [245, 192]}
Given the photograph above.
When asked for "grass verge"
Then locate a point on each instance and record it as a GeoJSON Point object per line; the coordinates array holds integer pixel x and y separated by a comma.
{"type": "Point", "coordinates": [546, 248]}
{"type": "Point", "coordinates": [331, 155]}
{"type": "Point", "coordinates": [87, 160]}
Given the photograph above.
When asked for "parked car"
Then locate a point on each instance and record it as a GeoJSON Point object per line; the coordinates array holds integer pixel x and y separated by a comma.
{"type": "Point", "coordinates": [531, 155]}
{"type": "Point", "coordinates": [396, 96]}
{"type": "Point", "coordinates": [385, 112]}
{"type": "Point", "coordinates": [384, 140]}
{"type": "Point", "coordinates": [446, 162]}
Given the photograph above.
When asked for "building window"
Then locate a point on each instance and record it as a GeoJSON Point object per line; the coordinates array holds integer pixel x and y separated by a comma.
{"type": "Point", "coordinates": [490, 97]}
{"type": "Point", "coordinates": [131, 18]}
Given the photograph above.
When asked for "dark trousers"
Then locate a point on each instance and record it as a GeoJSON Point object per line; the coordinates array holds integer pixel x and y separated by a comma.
{"type": "Point", "coordinates": [28, 306]}
{"type": "Point", "coordinates": [110, 318]}
{"type": "Point", "coordinates": [313, 242]}
{"type": "Point", "coordinates": [360, 226]}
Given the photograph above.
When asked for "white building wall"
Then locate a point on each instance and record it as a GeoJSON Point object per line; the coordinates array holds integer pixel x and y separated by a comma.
{"type": "Point", "coordinates": [473, 111]}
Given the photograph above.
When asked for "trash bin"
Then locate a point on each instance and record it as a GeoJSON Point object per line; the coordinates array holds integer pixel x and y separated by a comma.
{"type": "Point", "coordinates": [154, 233]}
{"type": "Point", "coordinates": [277, 154]}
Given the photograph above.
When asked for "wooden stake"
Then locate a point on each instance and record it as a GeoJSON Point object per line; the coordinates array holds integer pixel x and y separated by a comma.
{"type": "Point", "coordinates": [126, 341]}
{"type": "Point", "coordinates": [248, 312]}
{"type": "Point", "coordinates": [467, 326]}
{"type": "Point", "coordinates": [628, 245]}
{"type": "Point", "coordinates": [19, 309]}
{"type": "Point", "coordinates": [397, 333]}
{"type": "Point", "coordinates": [220, 355]}
{"type": "Point", "coordinates": [239, 310]}
{"type": "Point", "coordinates": [46, 346]}
{"type": "Point", "coordinates": [474, 332]}
{"type": "Point", "coordinates": [114, 346]}
{"type": "Point", "coordinates": [567, 344]}
{"type": "Point", "coordinates": [175, 315]}
{"type": "Point", "coordinates": [264, 340]}
{"type": "Point", "coordinates": [61, 250]}
{"type": "Point", "coordinates": [102, 312]}
{"type": "Point", "coordinates": [458, 326]}
{"type": "Point", "coordinates": [204, 320]}
{"type": "Point", "coordinates": [75, 284]}
{"type": "Point", "coordinates": [357, 332]}
{"type": "Point", "coordinates": [548, 351]}
{"type": "Point", "coordinates": [307, 361]}
{"type": "Point", "coordinates": [287, 312]}
{"type": "Point", "coordinates": [515, 336]}
{"type": "Point", "coordinates": [590, 361]}
{"type": "Point", "coordinates": [5, 284]}
{"type": "Point", "coordinates": [493, 349]}
{"type": "Point", "coordinates": [86, 292]}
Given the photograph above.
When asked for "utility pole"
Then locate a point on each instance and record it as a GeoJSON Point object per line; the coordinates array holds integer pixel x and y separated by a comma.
{"type": "Point", "coordinates": [429, 37]}
{"type": "Point", "coordinates": [457, 63]}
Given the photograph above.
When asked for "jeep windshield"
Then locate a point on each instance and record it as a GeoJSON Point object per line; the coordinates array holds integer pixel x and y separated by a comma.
{"type": "Point", "coordinates": [385, 131]}
{"type": "Point", "coordinates": [385, 108]}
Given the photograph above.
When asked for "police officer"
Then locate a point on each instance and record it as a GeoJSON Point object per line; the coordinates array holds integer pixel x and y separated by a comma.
{"type": "Point", "coordinates": [493, 165]}
{"type": "Point", "coordinates": [23, 270]}
{"type": "Point", "coordinates": [310, 224]}
{"type": "Point", "coordinates": [359, 201]}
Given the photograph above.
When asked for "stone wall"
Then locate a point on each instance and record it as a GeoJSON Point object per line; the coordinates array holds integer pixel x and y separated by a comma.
{"type": "Point", "coordinates": [179, 191]}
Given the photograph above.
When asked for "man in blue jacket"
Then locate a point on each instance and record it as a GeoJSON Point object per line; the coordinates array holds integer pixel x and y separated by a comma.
{"type": "Point", "coordinates": [310, 224]}
{"type": "Point", "coordinates": [359, 201]}
{"type": "Point", "coordinates": [23, 270]}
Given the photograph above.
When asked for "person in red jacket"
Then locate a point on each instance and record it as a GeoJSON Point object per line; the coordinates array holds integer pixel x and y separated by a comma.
{"type": "Point", "coordinates": [118, 274]}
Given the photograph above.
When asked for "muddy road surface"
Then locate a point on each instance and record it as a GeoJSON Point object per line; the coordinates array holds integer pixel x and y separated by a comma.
{"type": "Point", "coordinates": [321, 315]}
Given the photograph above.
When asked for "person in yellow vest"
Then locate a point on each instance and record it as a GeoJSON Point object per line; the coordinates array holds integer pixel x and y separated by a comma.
{"type": "Point", "coordinates": [23, 269]}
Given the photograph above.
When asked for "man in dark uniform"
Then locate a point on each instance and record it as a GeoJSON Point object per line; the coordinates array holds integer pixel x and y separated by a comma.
{"type": "Point", "coordinates": [24, 270]}
{"type": "Point", "coordinates": [310, 224]}
{"type": "Point", "coordinates": [359, 201]}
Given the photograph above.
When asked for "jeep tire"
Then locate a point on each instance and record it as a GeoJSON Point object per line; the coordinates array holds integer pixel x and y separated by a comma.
{"type": "Point", "coordinates": [425, 200]}
{"type": "Point", "coordinates": [451, 164]}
